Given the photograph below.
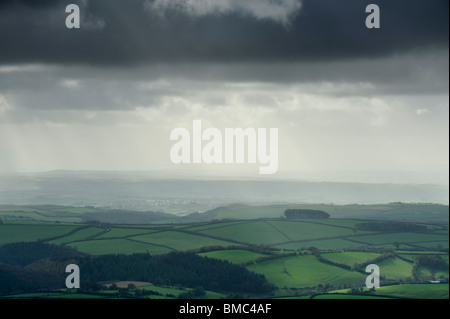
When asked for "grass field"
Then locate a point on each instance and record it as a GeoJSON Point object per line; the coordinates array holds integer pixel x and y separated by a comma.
{"type": "Point", "coordinates": [165, 291]}
{"type": "Point", "coordinates": [10, 233]}
{"type": "Point", "coordinates": [81, 234]}
{"type": "Point", "coordinates": [351, 257]}
{"type": "Point", "coordinates": [426, 213]}
{"type": "Point", "coordinates": [393, 268]}
{"type": "Point", "coordinates": [117, 246]}
{"type": "Point", "coordinates": [44, 213]}
{"type": "Point", "coordinates": [214, 225]}
{"type": "Point", "coordinates": [417, 291]}
{"type": "Point", "coordinates": [337, 239]}
{"type": "Point", "coordinates": [283, 234]}
{"type": "Point", "coordinates": [257, 232]}
{"type": "Point", "coordinates": [304, 271]}
{"type": "Point", "coordinates": [124, 232]}
{"type": "Point", "coordinates": [180, 241]}
{"type": "Point", "coordinates": [297, 230]}
{"type": "Point", "coordinates": [236, 256]}
{"type": "Point", "coordinates": [434, 244]}
{"type": "Point", "coordinates": [337, 243]}
{"type": "Point", "coordinates": [400, 238]}
{"type": "Point", "coordinates": [421, 291]}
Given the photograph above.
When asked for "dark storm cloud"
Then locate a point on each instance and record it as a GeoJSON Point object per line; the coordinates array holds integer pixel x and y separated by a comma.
{"type": "Point", "coordinates": [20, 4]}
{"type": "Point", "coordinates": [116, 32]}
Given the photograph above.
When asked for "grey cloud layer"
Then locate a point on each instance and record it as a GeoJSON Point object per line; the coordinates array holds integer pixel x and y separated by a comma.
{"type": "Point", "coordinates": [84, 88]}
{"type": "Point", "coordinates": [281, 11]}
{"type": "Point", "coordinates": [119, 32]}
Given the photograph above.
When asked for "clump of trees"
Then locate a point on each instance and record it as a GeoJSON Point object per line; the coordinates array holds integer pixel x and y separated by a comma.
{"type": "Point", "coordinates": [306, 213]}
{"type": "Point", "coordinates": [432, 262]}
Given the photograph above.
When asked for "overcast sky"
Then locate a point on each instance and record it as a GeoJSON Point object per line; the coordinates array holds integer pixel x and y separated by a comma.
{"type": "Point", "coordinates": [345, 98]}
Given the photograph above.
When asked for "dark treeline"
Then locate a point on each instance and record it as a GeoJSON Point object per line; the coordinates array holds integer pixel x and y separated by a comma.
{"type": "Point", "coordinates": [306, 213]}
{"type": "Point", "coordinates": [22, 254]}
{"type": "Point", "coordinates": [391, 227]}
{"type": "Point", "coordinates": [16, 280]}
{"type": "Point", "coordinates": [35, 266]}
{"type": "Point", "coordinates": [435, 263]}
{"type": "Point", "coordinates": [185, 269]}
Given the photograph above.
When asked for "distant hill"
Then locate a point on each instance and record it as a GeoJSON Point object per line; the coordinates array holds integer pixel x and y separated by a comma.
{"type": "Point", "coordinates": [401, 212]}
{"type": "Point", "coordinates": [306, 213]}
{"type": "Point", "coordinates": [142, 192]}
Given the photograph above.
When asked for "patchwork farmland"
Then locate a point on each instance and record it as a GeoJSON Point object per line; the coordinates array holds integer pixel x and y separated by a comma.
{"type": "Point", "coordinates": [299, 257]}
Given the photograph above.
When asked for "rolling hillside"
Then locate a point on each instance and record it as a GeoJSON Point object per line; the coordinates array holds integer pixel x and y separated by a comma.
{"type": "Point", "coordinates": [299, 257]}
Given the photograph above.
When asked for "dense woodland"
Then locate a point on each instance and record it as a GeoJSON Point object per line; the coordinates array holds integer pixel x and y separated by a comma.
{"type": "Point", "coordinates": [43, 269]}
{"type": "Point", "coordinates": [23, 254]}
{"type": "Point", "coordinates": [185, 269]}
{"type": "Point", "coordinates": [15, 279]}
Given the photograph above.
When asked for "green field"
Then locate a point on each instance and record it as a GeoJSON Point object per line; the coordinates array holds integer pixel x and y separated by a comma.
{"type": "Point", "coordinates": [236, 256]}
{"type": "Point", "coordinates": [278, 248]}
{"type": "Point", "coordinates": [351, 257]}
{"type": "Point", "coordinates": [180, 240]}
{"type": "Point", "coordinates": [117, 246]}
{"type": "Point", "coordinates": [212, 225]}
{"type": "Point", "coordinates": [257, 232]}
{"type": "Point", "coordinates": [44, 213]}
{"type": "Point", "coordinates": [337, 243]}
{"type": "Point", "coordinates": [400, 238]}
{"type": "Point", "coordinates": [421, 291]}
{"type": "Point", "coordinates": [425, 213]}
{"type": "Point", "coordinates": [297, 230]}
{"type": "Point", "coordinates": [10, 233]}
{"type": "Point", "coordinates": [79, 235]}
{"type": "Point", "coordinates": [124, 232]}
{"type": "Point", "coordinates": [304, 271]}
{"type": "Point", "coordinates": [165, 291]}
{"type": "Point", "coordinates": [393, 268]}
{"type": "Point", "coordinates": [434, 244]}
